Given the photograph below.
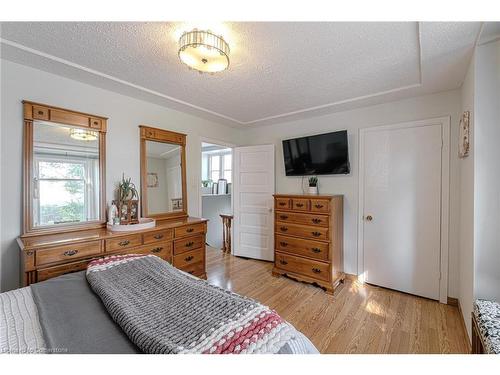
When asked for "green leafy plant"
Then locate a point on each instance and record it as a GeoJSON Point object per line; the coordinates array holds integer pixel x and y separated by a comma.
{"type": "Point", "coordinates": [127, 190]}
{"type": "Point", "coordinates": [313, 181]}
{"type": "Point", "coordinates": [206, 183]}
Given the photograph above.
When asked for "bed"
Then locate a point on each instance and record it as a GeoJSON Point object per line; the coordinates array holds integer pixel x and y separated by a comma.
{"type": "Point", "coordinates": [66, 314]}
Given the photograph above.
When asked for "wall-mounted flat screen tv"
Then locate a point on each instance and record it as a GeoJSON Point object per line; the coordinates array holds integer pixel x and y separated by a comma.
{"type": "Point", "coordinates": [317, 154]}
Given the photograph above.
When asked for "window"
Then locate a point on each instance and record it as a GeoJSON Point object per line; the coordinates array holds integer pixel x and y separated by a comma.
{"type": "Point", "coordinates": [227, 165]}
{"type": "Point", "coordinates": [63, 190]}
{"type": "Point", "coordinates": [217, 165]}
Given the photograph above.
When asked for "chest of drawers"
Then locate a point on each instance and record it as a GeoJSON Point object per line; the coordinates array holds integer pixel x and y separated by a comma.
{"type": "Point", "coordinates": [179, 242]}
{"type": "Point", "coordinates": [309, 239]}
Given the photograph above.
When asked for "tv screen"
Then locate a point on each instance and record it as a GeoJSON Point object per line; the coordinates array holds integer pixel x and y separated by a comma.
{"type": "Point", "coordinates": [317, 154]}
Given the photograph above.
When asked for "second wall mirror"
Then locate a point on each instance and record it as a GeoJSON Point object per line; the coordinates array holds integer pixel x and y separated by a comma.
{"type": "Point", "coordinates": [163, 173]}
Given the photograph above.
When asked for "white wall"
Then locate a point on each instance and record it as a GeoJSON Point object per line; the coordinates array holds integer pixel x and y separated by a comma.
{"type": "Point", "coordinates": [429, 106]}
{"type": "Point", "coordinates": [487, 172]}
{"type": "Point", "coordinates": [466, 226]}
{"type": "Point", "coordinates": [20, 82]}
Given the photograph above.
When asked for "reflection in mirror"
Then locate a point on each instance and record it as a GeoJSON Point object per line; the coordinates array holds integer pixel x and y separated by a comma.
{"type": "Point", "coordinates": [164, 177]}
{"type": "Point", "coordinates": [65, 174]}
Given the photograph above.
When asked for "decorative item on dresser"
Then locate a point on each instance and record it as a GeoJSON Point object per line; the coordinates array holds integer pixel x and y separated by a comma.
{"type": "Point", "coordinates": [309, 239]}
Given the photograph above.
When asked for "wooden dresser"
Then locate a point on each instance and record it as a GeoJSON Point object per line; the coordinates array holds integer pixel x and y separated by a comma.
{"type": "Point", "coordinates": [180, 242]}
{"type": "Point", "coordinates": [309, 238]}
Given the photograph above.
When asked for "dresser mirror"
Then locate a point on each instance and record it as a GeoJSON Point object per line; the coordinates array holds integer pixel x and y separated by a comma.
{"type": "Point", "coordinates": [163, 175]}
{"type": "Point", "coordinates": [64, 155]}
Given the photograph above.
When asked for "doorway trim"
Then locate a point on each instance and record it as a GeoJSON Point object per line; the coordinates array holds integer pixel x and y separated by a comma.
{"type": "Point", "coordinates": [445, 195]}
{"type": "Point", "coordinates": [220, 143]}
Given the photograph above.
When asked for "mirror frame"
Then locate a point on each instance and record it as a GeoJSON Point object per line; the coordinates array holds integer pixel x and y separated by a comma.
{"type": "Point", "coordinates": [165, 136]}
{"type": "Point", "coordinates": [36, 111]}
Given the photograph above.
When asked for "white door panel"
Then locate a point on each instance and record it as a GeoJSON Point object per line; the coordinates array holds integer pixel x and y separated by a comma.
{"type": "Point", "coordinates": [253, 201]}
{"type": "Point", "coordinates": [402, 192]}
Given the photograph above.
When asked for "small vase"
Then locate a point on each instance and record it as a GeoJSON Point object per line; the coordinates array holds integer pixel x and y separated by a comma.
{"type": "Point", "coordinates": [313, 190]}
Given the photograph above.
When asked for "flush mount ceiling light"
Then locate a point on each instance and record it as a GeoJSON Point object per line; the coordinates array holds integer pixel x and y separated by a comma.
{"type": "Point", "coordinates": [83, 135]}
{"type": "Point", "coordinates": [204, 51]}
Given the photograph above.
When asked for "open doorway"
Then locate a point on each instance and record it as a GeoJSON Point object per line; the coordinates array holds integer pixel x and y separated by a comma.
{"type": "Point", "coordinates": [216, 189]}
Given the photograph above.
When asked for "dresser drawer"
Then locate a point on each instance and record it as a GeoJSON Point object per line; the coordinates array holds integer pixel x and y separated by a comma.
{"type": "Point", "coordinates": [300, 204]}
{"type": "Point", "coordinates": [307, 219]}
{"type": "Point", "coordinates": [157, 236]}
{"type": "Point", "coordinates": [188, 258]}
{"type": "Point", "coordinates": [189, 230]}
{"type": "Point", "coordinates": [188, 244]}
{"type": "Point", "coordinates": [307, 267]}
{"type": "Point", "coordinates": [320, 205]}
{"type": "Point", "coordinates": [123, 242]}
{"type": "Point", "coordinates": [48, 273]}
{"type": "Point", "coordinates": [303, 231]}
{"type": "Point", "coordinates": [162, 250]}
{"type": "Point", "coordinates": [67, 252]}
{"type": "Point", "coordinates": [196, 269]}
{"type": "Point", "coordinates": [283, 203]}
{"type": "Point", "coordinates": [308, 248]}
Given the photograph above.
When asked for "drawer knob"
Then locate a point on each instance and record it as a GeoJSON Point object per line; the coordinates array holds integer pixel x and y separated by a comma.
{"type": "Point", "coordinates": [283, 217]}
{"type": "Point", "coordinates": [316, 234]}
{"type": "Point", "coordinates": [316, 220]}
{"type": "Point", "coordinates": [282, 203]}
{"type": "Point", "coordinates": [316, 250]}
{"type": "Point", "coordinates": [300, 204]}
{"type": "Point", "coordinates": [157, 249]}
{"type": "Point", "coordinates": [96, 123]}
{"type": "Point", "coordinates": [316, 270]}
{"type": "Point", "coordinates": [284, 244]}
{"type": "Point", "coordinates": [124, 243]}
{"type": "Point", "coordinates": [189, 244]}
{"type": "Point", "coordinates": [189, 230]}
{"type": "Point", "coordinates": [70, 253]}
{"type": "Point", "coordinates": [283, 229]}
{"type": "Point", "coordinates": [40, 112]}
{"type": "Point", "coordinates": [317, 205]}
{"type": "Point", "coordinates": [283, 262]}
{"type": "Point", "coordinates": [158, 236]}
{"type": "Point", "coordinates": [189, 258]}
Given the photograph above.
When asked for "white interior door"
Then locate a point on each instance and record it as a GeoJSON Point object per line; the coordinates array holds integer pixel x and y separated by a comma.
{"type": "Point", "coordinates": [253, 189]}
{"type": "Point", "coordinates": [402, 193]}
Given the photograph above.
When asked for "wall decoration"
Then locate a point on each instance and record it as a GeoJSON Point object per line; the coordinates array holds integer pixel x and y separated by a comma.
{"type": "Point", "coordinates": [464, 141]}
{"type": "Point", "coordinates": [153, 181]}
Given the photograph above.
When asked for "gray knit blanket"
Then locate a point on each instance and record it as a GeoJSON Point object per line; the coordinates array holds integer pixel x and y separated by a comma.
{"type": "Point", "coordinates": [163, 310]}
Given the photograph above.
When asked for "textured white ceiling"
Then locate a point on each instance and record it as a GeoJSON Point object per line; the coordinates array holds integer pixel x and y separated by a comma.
{"type": "Point", "coordinates": [279, 70]}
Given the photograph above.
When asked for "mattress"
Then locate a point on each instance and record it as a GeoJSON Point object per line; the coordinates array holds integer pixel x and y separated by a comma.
{"type": "Point", "coordinates": [63, 315]}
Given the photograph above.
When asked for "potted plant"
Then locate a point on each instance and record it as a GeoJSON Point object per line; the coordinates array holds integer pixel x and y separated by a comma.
{"type": "Point", "coordinates": [206, 187]}
{"type": "Point", "coordinates": [128, 207]}
{"type": "Point", "coordinates": [313, 185]}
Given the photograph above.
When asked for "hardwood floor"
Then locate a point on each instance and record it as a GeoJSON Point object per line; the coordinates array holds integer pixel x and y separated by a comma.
{"type": "Point", "coordinates": [357, 319]}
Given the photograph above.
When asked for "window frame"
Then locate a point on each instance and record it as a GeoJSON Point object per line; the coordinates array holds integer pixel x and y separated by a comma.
{"type": "Point", "coordinates": [221, 168]}
{"type": "Point", "coordinates": [90, 194]}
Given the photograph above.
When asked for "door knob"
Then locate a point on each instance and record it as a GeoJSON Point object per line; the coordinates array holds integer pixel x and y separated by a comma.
{"type": "Point", "coordinates": [369, 218]}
